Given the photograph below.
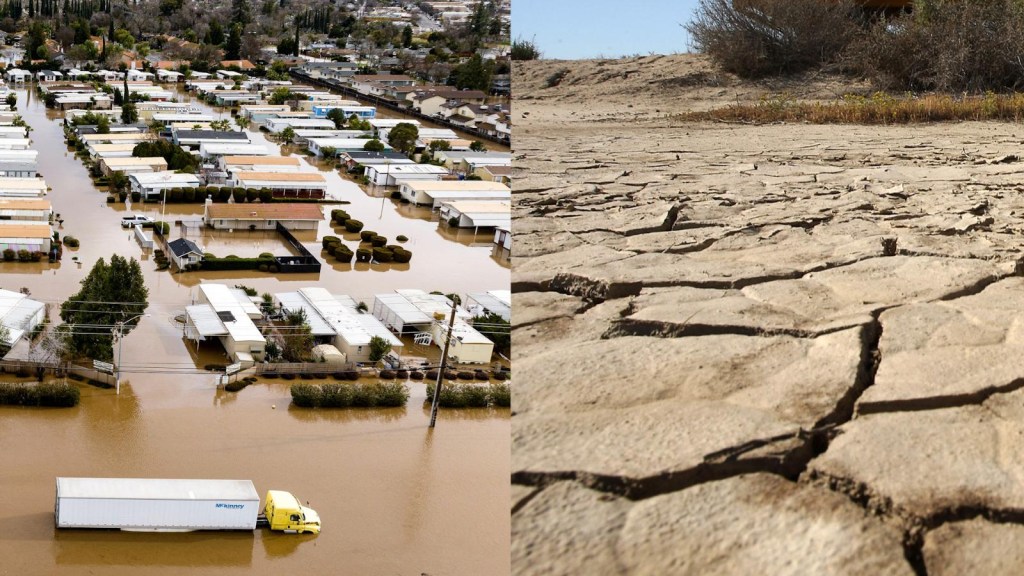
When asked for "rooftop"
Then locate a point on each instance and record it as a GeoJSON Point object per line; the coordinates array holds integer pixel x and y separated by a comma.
{"type": "Point", "coordinates": [282, 211]}
{"type": "Point", "coordinates": [281, 176]}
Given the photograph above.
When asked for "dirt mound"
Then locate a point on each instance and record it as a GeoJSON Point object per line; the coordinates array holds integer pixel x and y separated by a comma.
{"type": "Point", "coordinates": [648, 87]}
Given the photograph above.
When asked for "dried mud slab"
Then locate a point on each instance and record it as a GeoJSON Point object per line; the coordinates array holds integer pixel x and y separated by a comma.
{"type": "Point", "coordinates": [643, 414]}
{"type": "Point", "coordinates": [950, 353]}
{"type": "Point", "coordinates": [757, 524]}
{"type": "Point", "coordinates": [975, 547]}
{"type": "Point", "coordinates": [932, 465]}
{"type": "Point", "coordinates": [752, 524]}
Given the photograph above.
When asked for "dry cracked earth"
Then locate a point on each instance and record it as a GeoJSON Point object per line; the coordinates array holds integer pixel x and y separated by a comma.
{"type": "Point", "coordinates": [784, 349]}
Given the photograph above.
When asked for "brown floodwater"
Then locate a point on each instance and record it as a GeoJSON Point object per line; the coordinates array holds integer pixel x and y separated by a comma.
{"type": "Point", "coordinates": [394, 497]}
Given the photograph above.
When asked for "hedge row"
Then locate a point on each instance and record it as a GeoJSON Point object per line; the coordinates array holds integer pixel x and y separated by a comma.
{"type": "Point", "coordinates": [56, 394]}
{"type": "Point", "coordinates": [387, 394]}
{"type": "Point", "coordinates": [471, 396]}
{"type": "Point", "coordinates": [261, 264]}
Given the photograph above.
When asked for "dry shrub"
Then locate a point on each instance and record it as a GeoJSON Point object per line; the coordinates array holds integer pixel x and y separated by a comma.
{"type": "Point", "coordinates": [946, 45]}
{"type": "Point", "coordinates": [755, 38]}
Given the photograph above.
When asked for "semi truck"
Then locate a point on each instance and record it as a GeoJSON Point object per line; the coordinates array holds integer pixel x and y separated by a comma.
{"type": "Point", "coordinates": [173, 505]}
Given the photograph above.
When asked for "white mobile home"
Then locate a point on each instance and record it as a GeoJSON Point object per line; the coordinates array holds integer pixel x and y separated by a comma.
{"type": "Point", "coordinates": [294, 216]}
{"type": "Point", "coordinates": [25, 210]}
{"type": "Point", "coordinates": [22, 187]}
{"type": "Point", "coordinates": [236, 163]}
{"type": "Point", "coordinates": [19, 314]}
{"type": "Point", "coordinates": [435, 193]}
{"type": "Point", "coordinates": [152, 184]}
{"type": "Point", "coordinates": [388, 174]}
{"type": "Point", "coordinates": [132, 165]}
{"type": "Point", "coordinates": [417, 312]}
{"type": "Point", "coordinates": [477, 214]}
{"type": "Point", "coordinates": [226, 314]}
{"type": "Point", "coordinates": [317, 145]}
{"type": "Point", "coordinates": [33, 236]}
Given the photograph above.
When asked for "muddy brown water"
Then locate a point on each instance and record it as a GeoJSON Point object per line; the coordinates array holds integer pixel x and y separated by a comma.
{"type": "Point", "coordinates": [394, 497]}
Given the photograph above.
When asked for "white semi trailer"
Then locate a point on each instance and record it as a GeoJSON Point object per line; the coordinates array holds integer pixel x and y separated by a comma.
{"type": "Point", "coordinates": [172, 505]}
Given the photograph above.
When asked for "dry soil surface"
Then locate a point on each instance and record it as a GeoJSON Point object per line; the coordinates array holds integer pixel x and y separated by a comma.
{"type": "Point", "coordinates": [785, 349]}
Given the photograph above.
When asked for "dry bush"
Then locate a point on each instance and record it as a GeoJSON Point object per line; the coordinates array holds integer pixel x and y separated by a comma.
{"type": "Point", "coordinates": [946, 45]}
{"type": "Point", "coordinates": [755, 38]}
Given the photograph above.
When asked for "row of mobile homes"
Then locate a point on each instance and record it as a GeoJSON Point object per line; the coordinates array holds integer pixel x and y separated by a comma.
{"type": "Point", "coordinates": [282, 184]}
{"type": "Point", "coordinates": [132, 165]}
{"type": "Point", "coordinates": [262, 216]}
{"type": "Point", "coordinates": [433, 194]}
{"type": "Point", "coordinates": [477, 214]}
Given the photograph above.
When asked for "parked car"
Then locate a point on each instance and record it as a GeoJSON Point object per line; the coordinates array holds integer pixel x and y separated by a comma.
{"type": "Point", "coordinates": [135, 219]}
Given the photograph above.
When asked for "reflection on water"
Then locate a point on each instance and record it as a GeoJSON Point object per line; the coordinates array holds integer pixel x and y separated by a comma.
{"type": "Point", "coordinates": [105, 548]}
{"type": "Point", "coordinates": [344, 416]}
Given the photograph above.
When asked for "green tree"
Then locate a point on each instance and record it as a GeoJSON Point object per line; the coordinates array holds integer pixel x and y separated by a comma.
{"type": "Point", "coordinates": [233, 46]}
{"type": "Point", "coordinates": [103, 125]}
{"type": "Point", "coordinates": [379, 348]}
{"type": "Point", "coordinates": [497, 329]}
{"type": "Point", "coordinates": [12, 101]}
{"type": "Point", "coordinates": [403, 137]}
{"type": "Point", "coordinates": [373, 145]}
{"type": "Point", "coordinates": [297, 336]}
{"type": "Point", "coordinates": [118, 181]}
{"type": "Point", "coordinates": [525, 50]}
{"type": "Point", "coordinates": [110, 294]}
{"type": "Point", "coordinates": [475, 74]}
{"type": "Point", "coordinates": [337, 115]}
{"type": "Point", "coordinates": [288, 134]}
{"type": "Point", "coordinates": [220, 125]}
{"type": "Point", "coordinates": [129, 114]}
{"type": "Point", "coordinates": [281, 95]}
{"type": "Point", "coordinates": [477, 146]}
{"type": "Point", "coordinates": [407, 36]}
{"type": "Point", "coordinates": [240, 13]}
{"type": "Point", "coordinates": [436, 145]}
{"type": "Point", "coordinates": [215, 34]}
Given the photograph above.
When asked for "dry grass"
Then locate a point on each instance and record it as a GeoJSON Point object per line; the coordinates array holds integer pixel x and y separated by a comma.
{"type": "Point", "coordinates": [879, 108]}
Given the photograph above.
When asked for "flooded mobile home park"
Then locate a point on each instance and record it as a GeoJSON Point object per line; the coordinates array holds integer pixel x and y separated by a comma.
{"type": "Point", "coordinates": [394, 496]}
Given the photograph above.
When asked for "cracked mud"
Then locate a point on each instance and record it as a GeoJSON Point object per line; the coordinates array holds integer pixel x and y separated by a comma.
{"type": "Point", "coordinates": [786, 349]}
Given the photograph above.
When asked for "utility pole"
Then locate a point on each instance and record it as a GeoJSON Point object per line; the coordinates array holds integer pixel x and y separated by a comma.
{"type": "Point", "coordinates": [440, 371]}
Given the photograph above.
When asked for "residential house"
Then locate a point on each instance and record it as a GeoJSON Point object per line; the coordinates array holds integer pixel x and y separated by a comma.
{"type": "Point", "coordinates": [233, 163]}
{"type": "Point", "coordinates": [22, 187]}
{"type": "Point", "coordinates": [18, 163]}
{"type": "Point", "coordinates": [431, 102]}
{"type": "Point", "coordinates": [243, 65]}
{"type": "Point", "coordinates": [210, 151]}
{"type": "Point", "coordinates": [362, 112]}
{"type": "Point", "coordinates": [48, 76]}
{"type": "Point", "coordinates": [194, 138]}
{"type": "Point", "coordinates": [369, 83]}
{"type": "Point", "coordinates": [416, 312]}
{"type": "Point", "coordinates": [151, 185]}
{"type": "Point", "coordinates": [501, 174]}
{"type": "Point", "coordinates": [262, 216]}
{"type": "Point", "coordinates": [18, 76]}
{"type": "Point", "coordinates": [226, 315]}
{"type": "Point", "coordinates": [391, 175]}
{"type": "Point", "coordinates": [435, 193]}
{"type": "Point", "coordinates": [477, 214]}
{"type": "Point", "coordinates": [336, 320]}
{"type": "Point", "coordinates": [132, 165]}
{"type": "Point", "coordinates": [25, 209]}
{"type": "Point", "coordinates": [491, 302]}
{"type": "Point", "coordinates": [317, 145]}
{"type": "Point", "coordinates": [453, 160]}
{"type": "Point", "coordinates": [18, 235]}
{"type": "Point", "coordinates": [169, 76]}
{"type": "Point", "coordinates": [353, 159]}
{"type": "Point", "coordinates": [283, 184]}
{"type": "Point", "coordinates": [184, 252]}
{"type": "Point", "coordinates": [19, 315]}
{"type": "Point", "coordinates": [278, 125]}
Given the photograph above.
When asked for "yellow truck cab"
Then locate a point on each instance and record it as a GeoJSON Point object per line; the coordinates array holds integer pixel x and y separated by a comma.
{"type": "Point", "coordinates": [283, 512]}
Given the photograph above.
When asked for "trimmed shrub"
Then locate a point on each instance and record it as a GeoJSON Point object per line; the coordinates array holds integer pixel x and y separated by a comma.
{"type": "Point", "coordinates": [384, 394]}
{"type": "Point", "coordinates": [223, 194]}
{"type": "Point", "coordinates": [55, 394]}
{"type": "Point", "coordinates": [266, 195]}
{"type": "Point", "coordinates": [363, 255]}
{"type": "Point", "coordinates": [9, 255]}
{"type": "Point", "coordinates": [24, 256]}
{"type": "Point", "coordinates": [464, 375]}
{"type": "Point", "coordinates": [110, 200]}
{"type": "Point", "coordinates": [450, 375]}
{"type": "Point", "coordinates": [344, 255]}
{"type": "Point", "coordinates": [387, 374]}
{"type": "Point", "coordinates": [238, 194]}
{"type": "Point", "coordinates": [378, 241]}
{"type": "Point", "coordinates": [416, 375]}
{"type": "Point", "coordinates": [481, 375]}
{"type": "Point", "coordinates": [382, 255]}
{"type": "Point", "coordinates": [288, 376]}
{"type": "Point", "coordinates": [236, 385]}
{"type": "Point", "coordinates": [396, 195]}
{"type": "Point", "coordinates": [262, 268]}
{"type": "Point", "coordinates": [402, 238]}
{"type": "Point", "coordinates": [501, 395]}
{"type": "Point", "coordinates": [403, 374]}
{"type": "Point", "coordinates": [136, 196]}
{"type": "Point", "coordinates": [401, 256]}
{"type": "Point", "coordinates": [367, 235]}
{"type": "Point", "coordinates": [499, 375]}
{"type": "Point", "coordinates": [351, 375]}
{"type": "Point", "coordinates": [432, 375]}
{"type": "Point", "coordinates": [251, 195]}
{"type": "Point", "coordinates": [353, 225]}
{"type": "Point", "coordinates": [188, 195]}
{"type": "Point", "coordinates": [71, 242]}
{"type": "Point", "coordinates": [330, 240]}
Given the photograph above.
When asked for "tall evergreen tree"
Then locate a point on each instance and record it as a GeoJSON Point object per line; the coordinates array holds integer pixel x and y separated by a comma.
{"type": "Point", "coordinates": [233, 46]}
{"type": "Point", "coordinates": [110, 294]}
